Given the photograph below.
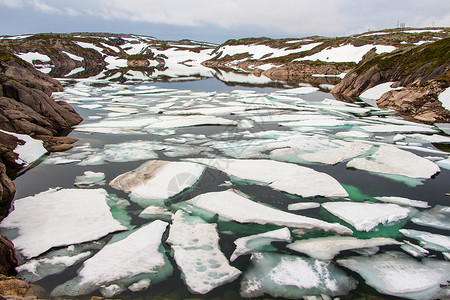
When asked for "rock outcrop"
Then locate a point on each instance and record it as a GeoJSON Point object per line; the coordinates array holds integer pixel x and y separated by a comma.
{"type": "Point", "coordinates": [423, 72]}
{"type": "Point", "coordinates": [26, 108]}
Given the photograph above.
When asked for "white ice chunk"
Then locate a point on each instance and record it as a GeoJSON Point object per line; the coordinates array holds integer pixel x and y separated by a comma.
{"type": "Point", "coordinates": [366, 216]}
{"type": "Point", "coordinates": [197, 253]}
{"type": "Point", "coordinates": [328, 247]}
{"type": "Point", "coordinates": [393, 128]}
{"type": "Point", "coordinates": [159, 179]}
{"type": "Point", "coordinates": [90, 178]}
{"type": "Point", "coordinates": [139, 286]}
{"type": "Point", "coordinates": [30, 151]}
{"type": "Point", "coordinates": [397, 274]}
{"type": "Point", "coordinates": [438, 217]}
{"type": "Point", "coordinates": [60, 217]}
{"type": "Point", "coordinates": [286, 177]}
{"type": "Point", "coordinates": [428, 240]}
{"type": "Point", "coordinates": [300, 91]}
{"type": "Point", "coordinates": [253, 243]}
{"type": "Point", "coordinates": [293, 277]}
{"type": "Point", "coordinates": [391, 160]}
{"type": "Point", "coordinates": [413, 249]}
{"type": "Point", "coordinates": [138, 255]}
{"type": "Point", "coordinates": [403, 201]}
{"type": "Point", "coordinates": [233, 206]}
{"type": "Point", "coordinates": [326, 152]}
{"type": "Point", "coordinates": [303, 205]}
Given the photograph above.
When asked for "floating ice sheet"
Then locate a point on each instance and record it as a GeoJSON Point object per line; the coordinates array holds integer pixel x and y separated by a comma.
{"type": "Point", "coordinates": [403, 201]}
{"type": "Point", "coordinates": [255, 242]}
{"type": "Point", "coordinates": [391, 160]}
{"type": "Point", "coordinates": [197, 253]}
{"type": "Point", "coordinates": [293, 277]}
{"type": "Point", "coordinates": [158, 179]}
{"type": "Point", "coordinates": [397, 274]}
{"type": "Point", "coordinates": [234, 206]}
{"type": "Point", "coordinates": [90, 178]}
{"type": "Point", "coordinates": [60, 217]}
{"type": "Point", "coordinates": [438, 217]}
{"type": "Point", "coordinates": [303, 205]}
{"type": "Point", "coordinates": [428, 240]}
{"type": "Point", "coordinates": [366, 216]}
{"type": "Point", "coordinates": [286, 177]}
{"type": "Point", "coordinates": [328, 247]}
{"type": "Point", "coordinates": [122, 263]}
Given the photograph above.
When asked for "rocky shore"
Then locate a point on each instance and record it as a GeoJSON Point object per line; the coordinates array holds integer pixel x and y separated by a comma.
{"type": "Point", "coordinates": [26, 109]}
{"type": "Point", "coordinates": [422, 73]}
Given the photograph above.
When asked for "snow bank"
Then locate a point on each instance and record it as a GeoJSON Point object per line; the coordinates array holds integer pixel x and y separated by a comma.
{"type": "Point", "coordinates": [30, 151]}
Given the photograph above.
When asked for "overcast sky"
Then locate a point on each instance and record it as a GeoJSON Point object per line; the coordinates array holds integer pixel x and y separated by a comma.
{"type": "Point", "coordinates": [219, 20]}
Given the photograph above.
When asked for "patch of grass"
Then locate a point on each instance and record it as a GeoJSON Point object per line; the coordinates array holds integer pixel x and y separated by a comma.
{"type": "Point", "coordinates": [427, 58]}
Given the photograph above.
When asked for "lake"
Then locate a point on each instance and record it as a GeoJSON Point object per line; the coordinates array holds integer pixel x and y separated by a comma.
{"type": "Point", "coordinates": [230, 162]}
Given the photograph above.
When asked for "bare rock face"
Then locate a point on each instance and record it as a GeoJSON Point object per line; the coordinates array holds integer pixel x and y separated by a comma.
{"type": "Point", "coordinates": [26, 108]}
{"type": "Point", "coordinates": [422, 71]}
{"type": "Point", "coordinates": [8, 260]}
{"type": "Point", "coordinates": [419, 102]}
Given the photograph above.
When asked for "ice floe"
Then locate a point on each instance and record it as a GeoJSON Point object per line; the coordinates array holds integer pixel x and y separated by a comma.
{"type": "Point", "coordinates": [158, 179]}
{"type": "Point", "coordinates": [438, 217]}
{"type": "Point", "coordinates": [366, 216]}
{"type": "Point", "coordinates": [121, 263]}
{"type": "Point", "coordinates": [235, 206]}
{"type": "Point", "coordinates": [303, 205]}
{"type": "Point", "coordinates": [90, 178]}
{"type": "Point", "coordinates": [328, 247]}
{"type": "Point", "coordinates": [257, 242]}
{"type": "Point", "coordinates": [403, 201]}
{"type": "Point", "coordinates": [197, 253]}
{"type": "Point", "coordinates": [28, 152]}
{"type": "Point", "coordinates": [286, 177]}
{"type": "Point", "coordinates": [58, 218]}
{"type": "Point", "coordinates": [429, 240]}
{"type": "Point", "coordinates": [397, 274]}
{"type": "Point", "coordinates": [293, 277]}
{"type": "Point", "coordinates": [391, 160]}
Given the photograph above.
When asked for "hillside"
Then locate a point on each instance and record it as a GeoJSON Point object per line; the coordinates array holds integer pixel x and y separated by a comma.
{"type": "Point", "coordinates": [421, 72]}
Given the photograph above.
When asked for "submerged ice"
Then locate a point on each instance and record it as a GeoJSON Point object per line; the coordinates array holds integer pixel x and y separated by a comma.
{"type": "Point", "coordinates": [397, 274]}
{"type": "Point", "coordinates": [289, 276]}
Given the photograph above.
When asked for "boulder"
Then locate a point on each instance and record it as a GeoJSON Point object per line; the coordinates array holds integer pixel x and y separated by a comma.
{"type": "Point", "coordinates": [8, 260]}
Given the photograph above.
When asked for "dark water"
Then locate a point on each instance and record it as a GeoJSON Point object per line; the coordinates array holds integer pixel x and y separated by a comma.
{"type": "Point", "coordinates": [45, 176]}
